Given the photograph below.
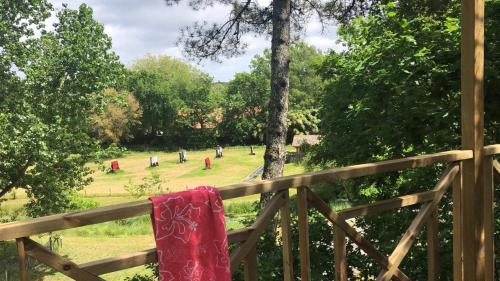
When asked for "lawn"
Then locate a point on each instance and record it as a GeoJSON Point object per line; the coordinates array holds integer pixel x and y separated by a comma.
{"type": "Point", "coordinates": [126, 236]}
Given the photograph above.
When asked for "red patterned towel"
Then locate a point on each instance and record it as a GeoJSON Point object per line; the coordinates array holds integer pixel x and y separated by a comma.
{"type": "Point", "coordinates": [190, 235]}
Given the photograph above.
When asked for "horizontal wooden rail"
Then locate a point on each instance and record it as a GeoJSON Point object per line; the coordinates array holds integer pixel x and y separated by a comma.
{"type": "Point", "coordinates": [146, 256]}
{"type": "Point", "coordinates": [492, 149]}
{"type": "Point", "coordinates": [386, 205]}
{"type": "Point", "coordinates": [121, 211]}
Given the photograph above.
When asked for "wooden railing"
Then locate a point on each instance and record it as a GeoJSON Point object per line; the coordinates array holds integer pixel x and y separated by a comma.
{"type": "Point", "coordinates": [280, 202]}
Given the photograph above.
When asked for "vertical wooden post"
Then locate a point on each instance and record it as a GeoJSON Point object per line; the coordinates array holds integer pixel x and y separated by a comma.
{"type": "Point", "coordinates": [340, 254]}
{"type": "Point", "coordinates": [489, 223]}
{"type": "Point", "coordinates": [305, 263]}
{"type": "Point", "coordinates": [23, 274]}
{"type": "Point", "coordinates": [286, 233]}
{"type": "Point", "coordinates": [472, 80]}
{"type": "Point", "coordinates": [251, 265]}
{"type": "Point", "coordinates": [457, 228]}
{"type": "Point", "coordinates": [432, 247]}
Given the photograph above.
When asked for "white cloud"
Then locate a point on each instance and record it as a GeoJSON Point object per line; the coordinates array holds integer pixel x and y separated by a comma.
{"type": "Point", "coordinates": [140, 27]}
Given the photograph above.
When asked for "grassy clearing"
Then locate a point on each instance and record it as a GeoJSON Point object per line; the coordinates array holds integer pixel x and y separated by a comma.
{"type": "Point", "coordinates": [126, 236]}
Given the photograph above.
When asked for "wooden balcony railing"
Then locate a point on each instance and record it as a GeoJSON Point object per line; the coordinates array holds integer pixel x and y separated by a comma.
{"type": "Point", "coordinates": [306, 197]}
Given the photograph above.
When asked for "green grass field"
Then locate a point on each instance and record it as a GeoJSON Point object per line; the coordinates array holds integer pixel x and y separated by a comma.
{"type": "Point", "coordinates": [127, 236]}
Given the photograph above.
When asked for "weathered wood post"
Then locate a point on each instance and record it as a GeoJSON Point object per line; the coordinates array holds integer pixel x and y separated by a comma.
{"type": "Point", "coordinates": [472, 84]}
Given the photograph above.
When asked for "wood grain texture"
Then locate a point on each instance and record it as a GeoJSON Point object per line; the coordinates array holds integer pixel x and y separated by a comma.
{"type": "Point", "coordinates": [423, 215]}
{"type": "Point", "coordinates": [126, 210]}
{"type": "Point", "coordinates": [340, 254]}
{"type": "Point", "coordinates": [387, 205]}
{"type": "Point", "coordinates": [21, 257]}
{"type": "Point", "coordinates": [286, 238]}
{"type": "Point", "coordinates": [458, 267]}
{"type": "Point", "coordinates": [472, 115]}
{"type": "Point", "coordinates": [492, 149]}
{"type": "Point", "coordinates": [58, 263]}
{"type": "Point", "coordinates": [250, 271]}
{"type": "Point", "coordinates": [353, 234]}
{"type": "Point", "coordinates": [125, 261]}
{"type": "Point", "coordinates": [432, 247]}
{"type": "Point", "coordinates": [303, 224]}
{"type": "Point", "coordinates": [264, 219]}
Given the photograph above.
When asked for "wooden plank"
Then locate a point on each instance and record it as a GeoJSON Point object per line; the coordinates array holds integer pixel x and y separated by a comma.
{"type": "Point", "coordinates": [496, 168]}
{"type": "Point", "coordinates": [121, 262]}
{"type": "Point", "coordinates": [303, 224]}
{"type": "Point", "coordinates": [492, 149]}
{"type": "Point", "coordinates": [251, 265]}
{"type": "Point", "coordinates": [353, 234]}
{"type": "Point", "coordinates": [457, 229]}
{"type": "Point", "coordinates": [58, 263]}
{"type": "Point", "coordinates": [21, 256]}
{"type": "Point", "coordinates": [125, 261]}
{"type": "Point", "coordinates": [489, 222]}
{"type": "Point", "coordinates": [423, 215]}
{"type": "Point", "coordinates": [472, 103]}
{"type": "Point", "coordinates": [386, 205]}
{"type": "Point", "coordinates": [340, 254]}
{"type": "Point", "coordinates": [264, 219]}
{"type": "Point", "coordinates": [125, 210]}
{"type": "Point", "coordinates": [432, 247]}
{"type": "Point", "coordinates": [286, 238]}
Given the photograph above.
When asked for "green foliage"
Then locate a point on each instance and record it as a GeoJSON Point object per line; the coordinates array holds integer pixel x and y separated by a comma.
{"type": "Point", "coordinates": [176, 99]}
{"type": "Point", "coordinates": [151, 184]}
{"type": "Point", "coordinates": [112, 151]}
{"type": "Point", "coordinates": [395, 92]}
{"type": "Point", "coordinates": [247, 97]}
{"type": "Point", "coordinates": [45, 116]}
{"type": "Point", "coordinates": [120, 118]}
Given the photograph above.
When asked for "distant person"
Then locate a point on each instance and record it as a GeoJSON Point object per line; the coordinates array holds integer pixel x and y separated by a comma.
{"type": "Point", "coordinates": [208, 164]}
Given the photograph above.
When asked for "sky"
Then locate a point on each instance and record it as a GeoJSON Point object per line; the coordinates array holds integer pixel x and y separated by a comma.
{"type": "Point", "coordinates": [141, 27]}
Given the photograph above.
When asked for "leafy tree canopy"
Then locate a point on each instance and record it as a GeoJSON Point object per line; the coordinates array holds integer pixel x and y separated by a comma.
{"type": "Point", "coordinates": [54, 83]}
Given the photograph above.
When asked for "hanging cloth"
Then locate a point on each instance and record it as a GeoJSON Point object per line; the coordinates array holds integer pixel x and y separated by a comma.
{"type": "Point", "coordinates": [190, 234]}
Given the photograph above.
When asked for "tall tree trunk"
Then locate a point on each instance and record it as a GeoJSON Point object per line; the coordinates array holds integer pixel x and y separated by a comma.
{"type": "Point", "coordinates": [274, 158]}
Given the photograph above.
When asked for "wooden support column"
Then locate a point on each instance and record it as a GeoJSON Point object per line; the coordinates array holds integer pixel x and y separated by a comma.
{"type": "Point", "coordinates": [251, 265]}
{"type": "Point", "coordinates": [433, 247]}
{"type": "Point", "coordinates": [340, 254]}
{"type": "Point", "coordinates": [286, 234]}
{"type": "Point", "coordinates": [458, 266]}
{"type": "Point", "coordinates": [21, 254]}
{"type": "Point", "coordinates": [305, 262]}
{"type": "Point", "coordinates": [489, 247]}
{"type": "Point", "coordinates": [472, 80]}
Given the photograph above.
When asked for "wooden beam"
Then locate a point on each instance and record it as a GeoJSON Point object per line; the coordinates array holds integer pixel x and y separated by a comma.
{"type": "Point", "coordinates": [125, 261]}
{"type": "Point", "coordinates": [458, 266]}
{"type": "Point", "coordinates": [126, 210]}
{"type": "Point", "coordinates": [472, 103]}
{"type": "Point", "coordinates": [432, 247]}
{"type": "Point", "coordinates": [340, 254]}
{"type": "Point", "coordinates": [58, 263]}
{"type": "Point", "coordinates": [416, 225]}
{"type": "Point", "coordinates": [303, 224]}
{"type": "Point", "coordinates": [353, 234]}
{"type": "Point", "coordinates": [250, 271]}
{"type": "Point", "coordinates": [21, 256]}
{"type": "Point", "coordinates": [286, 238]}
{"type": "Point", "coordinates": [489, 222]}
{"type": "Point", "coordinates": [264, 219]}
{"type": "Point", "coordinates": [386, 205]}
{"type": "Point", "coordinates": [492, 149]}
